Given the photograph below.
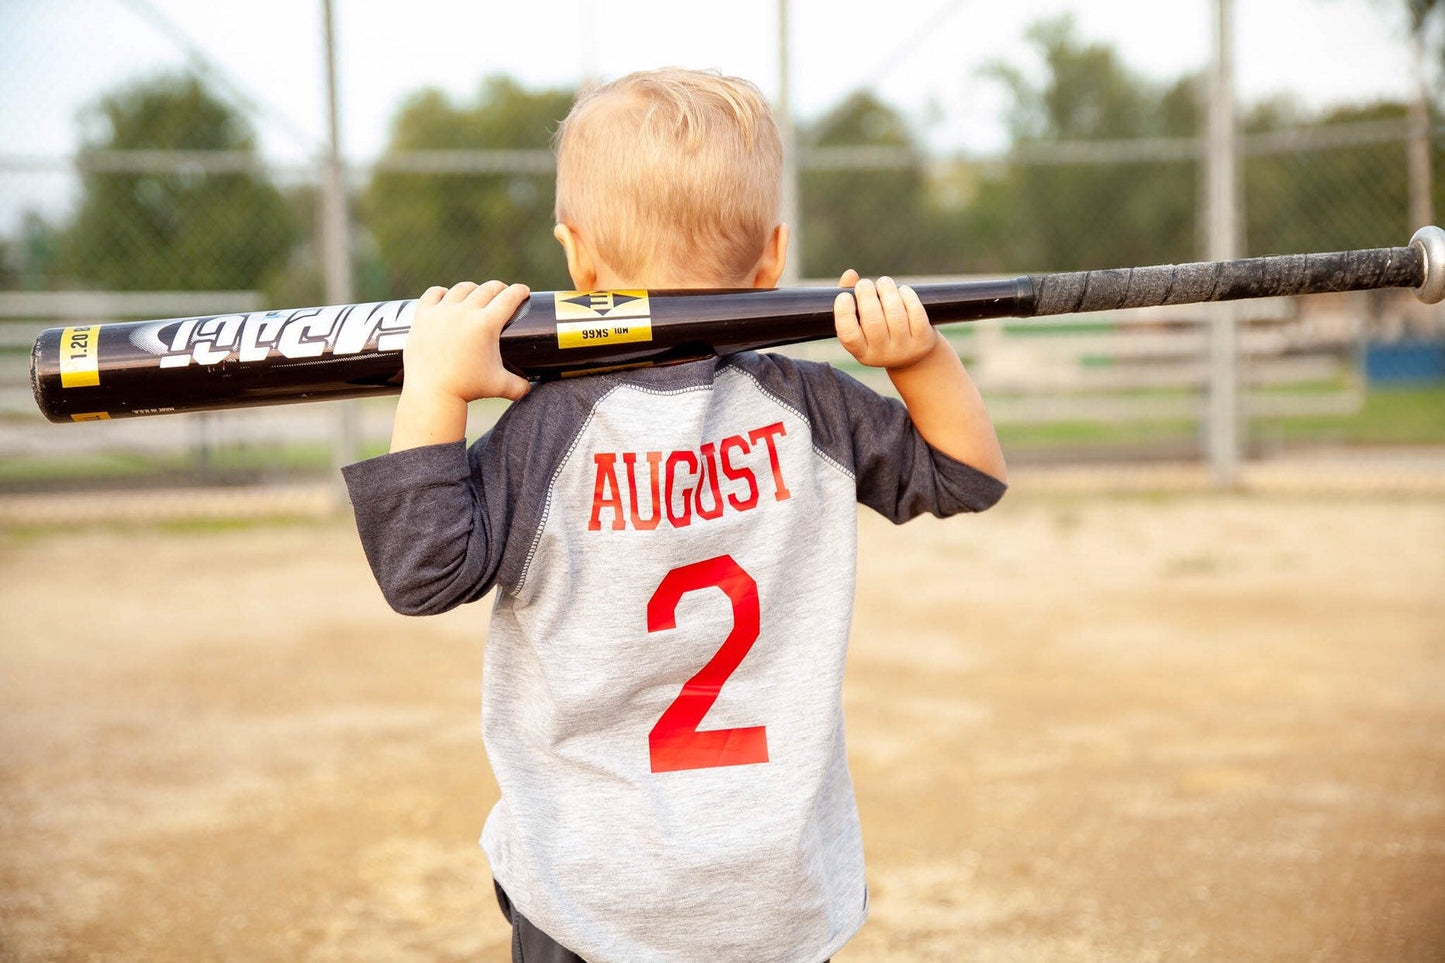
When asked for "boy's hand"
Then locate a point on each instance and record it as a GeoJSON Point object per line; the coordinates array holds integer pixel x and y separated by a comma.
{"type": "Point", "coordinates": [454, 346]}
{"type": "Point", "coordinates": [453, 356]}
{"type": "Point", "coordinates": [886, 326]}
{"type": "Point", "coordinates": [881, 324]}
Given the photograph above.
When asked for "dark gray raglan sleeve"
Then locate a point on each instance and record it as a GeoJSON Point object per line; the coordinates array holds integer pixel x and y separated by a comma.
{"type": "Point", "coordinates": [432, 522]}
{"type": "Point", "coordinates": [899, 475]}
{"type": "Point", "coordinates": [443, 524]}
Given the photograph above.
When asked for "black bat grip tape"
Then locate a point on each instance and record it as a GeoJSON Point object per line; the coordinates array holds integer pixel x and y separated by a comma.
{"type": "Point", "coordinates": [1261, 277]}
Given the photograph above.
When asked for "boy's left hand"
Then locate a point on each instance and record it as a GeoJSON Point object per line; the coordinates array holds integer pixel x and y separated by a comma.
{"type": "Point", "coordinates": [882, 324]}
{"type": "Point", "coordinates": [886, 326]}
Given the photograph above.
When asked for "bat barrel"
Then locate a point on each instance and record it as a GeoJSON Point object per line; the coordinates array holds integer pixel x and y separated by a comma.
{"type": "Point", "coordinates": [105, 371]}
{"type": "Point", "coordinates": [98, 372]}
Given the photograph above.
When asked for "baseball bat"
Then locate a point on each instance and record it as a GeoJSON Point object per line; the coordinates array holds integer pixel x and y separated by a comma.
{"type": "Point", "coordinates": [104, 371]}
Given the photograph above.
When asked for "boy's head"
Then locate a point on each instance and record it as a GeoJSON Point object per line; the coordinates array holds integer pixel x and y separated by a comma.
{"type": "Point", "coordinates": [671, 177]}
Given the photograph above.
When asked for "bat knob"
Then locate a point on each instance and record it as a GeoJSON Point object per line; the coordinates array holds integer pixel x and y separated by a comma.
{"type": "Point", "coordinates": [1431, 241]}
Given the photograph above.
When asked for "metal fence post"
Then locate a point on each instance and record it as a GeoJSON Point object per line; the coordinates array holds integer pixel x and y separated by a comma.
{"type": "Point", "coordinates": [336, 239]}
{"type": "Point", "coordinates": [792, 203]}
{"type": "Point", "coordinates": [1223, 220]}
{"type": "Point", "coordinates": [1422, 210]}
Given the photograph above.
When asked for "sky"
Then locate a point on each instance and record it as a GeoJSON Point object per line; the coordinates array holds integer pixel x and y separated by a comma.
{"type": "Point", "coordinates": [923, 56]}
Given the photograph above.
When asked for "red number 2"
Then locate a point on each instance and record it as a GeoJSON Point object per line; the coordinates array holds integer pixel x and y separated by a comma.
{"type": "Point", "coordinates": [675, 742]}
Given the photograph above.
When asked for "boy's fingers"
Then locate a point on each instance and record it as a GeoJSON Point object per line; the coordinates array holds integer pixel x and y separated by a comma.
{"type": "Point", "coordinates": [849, 278]}
{"type": "Point", "coordinates": [433, 295]}
{"type": "Point", "coordinates": [514, 388]}
{"type": "Point", "coordinates": [459, 291]}
{"type": "Point", "coordinates": [507, 300]}
{"type": "Point", "coordinates": [918, 323]}
{"type": "Point", "coordinates": [845, 320]}
{"type": "Point", "coordinates": [482, 295]}
{"type": "Point", "coordinates": [870, 311]}
{"type": "Point", "coordinates": [895, 315]}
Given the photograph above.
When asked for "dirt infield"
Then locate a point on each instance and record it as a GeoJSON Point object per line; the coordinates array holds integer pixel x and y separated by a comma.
{"type": "Point", "coordinates": [1133, 728]}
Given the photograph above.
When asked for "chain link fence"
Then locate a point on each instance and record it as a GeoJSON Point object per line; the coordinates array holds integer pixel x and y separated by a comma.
{"type": "Point", "coordinates": [173, 195]}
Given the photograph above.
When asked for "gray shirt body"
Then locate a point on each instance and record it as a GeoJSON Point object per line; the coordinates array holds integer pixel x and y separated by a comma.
{"type": "Point", "coordinates": [673, 554]}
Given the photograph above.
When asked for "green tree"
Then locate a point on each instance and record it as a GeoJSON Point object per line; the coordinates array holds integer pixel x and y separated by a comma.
{"type": "Point", "coordinates": [874, 219]}
{"type": "Point", "coordinates": [30, 260]}
{"type": "Point", "coordinates": [1327, 198]}
{"type": "Point", "coordinates": [1072, 216]}
{"type": "Point", "coordinates": [430, 228]}
{"type": "Point", "coordinates": [183, 228]}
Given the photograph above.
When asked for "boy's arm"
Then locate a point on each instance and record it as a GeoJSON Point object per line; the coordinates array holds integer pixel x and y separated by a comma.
{"type": "Point", "coordinates": [432, 526]}
{"type": "Point", "coordinates": [453, 356]}
{"type": "Point", "coordinates": [885, 326]}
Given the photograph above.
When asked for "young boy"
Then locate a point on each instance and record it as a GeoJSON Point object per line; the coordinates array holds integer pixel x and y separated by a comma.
{"type": "Point", "coordinates": [672, 550]}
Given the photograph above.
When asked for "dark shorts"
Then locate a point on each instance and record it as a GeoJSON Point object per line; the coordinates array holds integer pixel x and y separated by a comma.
{"type": "Point", "coordinates": [529, 944]}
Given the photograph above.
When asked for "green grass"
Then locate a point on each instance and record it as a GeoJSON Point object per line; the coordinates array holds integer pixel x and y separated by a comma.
{"type": "Point", "coordinates": [1077, 434]}
{"type": "Point", "coordinates": [221, 464]}
{"type": "Point", "coordinates": [1390, 416]}
{"type": "Point", "coordinates": [16, 537]}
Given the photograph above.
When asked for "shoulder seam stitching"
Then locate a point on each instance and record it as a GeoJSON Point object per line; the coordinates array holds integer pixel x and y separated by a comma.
{"type": "Point", "coordinates": [801, 415]}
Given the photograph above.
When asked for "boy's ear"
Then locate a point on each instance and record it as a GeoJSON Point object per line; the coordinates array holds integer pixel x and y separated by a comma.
{"type": "Point", "coordinates": [581, 265]}
{"type": "Point", "coordinates": [775, 258]}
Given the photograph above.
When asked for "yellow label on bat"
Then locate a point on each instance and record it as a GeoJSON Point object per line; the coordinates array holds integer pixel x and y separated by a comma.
{"type": "Point", "coordinates": [92, 416]}
{"type": "Point", "coordinates": [602, 317]}
{"type": "Point", "coordinates": [79, 366]}
{"type": "Point", "coordinates": [580, 334]}
{"type": "Point", "coordinates": [592, 305]}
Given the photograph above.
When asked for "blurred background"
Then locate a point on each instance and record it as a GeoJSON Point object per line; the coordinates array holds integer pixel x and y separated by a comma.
{"type": "Point", "coordinates": [1181, 696]}
{"type": "Point", "coordinates": [164, 158]}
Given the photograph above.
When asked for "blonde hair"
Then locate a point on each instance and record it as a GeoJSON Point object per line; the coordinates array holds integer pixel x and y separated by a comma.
{"type": "Point", "coordinates": [672, 172]}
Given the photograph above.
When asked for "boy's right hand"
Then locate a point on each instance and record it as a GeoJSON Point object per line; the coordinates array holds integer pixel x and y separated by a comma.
{"type": "Point", "coordinates": [453, 356]}
{"type": "Point", "coordinates": [454, 347]}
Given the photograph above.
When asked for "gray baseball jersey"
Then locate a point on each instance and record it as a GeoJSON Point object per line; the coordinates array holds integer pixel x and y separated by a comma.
{"type": "Point", "coordinates": [673, 554]}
